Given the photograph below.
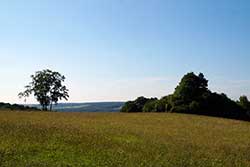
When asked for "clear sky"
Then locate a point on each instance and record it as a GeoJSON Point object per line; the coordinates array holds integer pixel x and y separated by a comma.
{"type": "Point", "coordinates": [112, 50]}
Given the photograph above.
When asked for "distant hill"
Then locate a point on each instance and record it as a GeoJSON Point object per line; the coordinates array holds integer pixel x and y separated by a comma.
{"type": "Point", "coordinates": [87, 107]}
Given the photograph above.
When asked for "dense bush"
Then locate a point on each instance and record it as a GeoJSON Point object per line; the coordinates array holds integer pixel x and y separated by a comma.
{"type": "Point", "coordinates": [137, 105]}
{"type": "Point", "coordinates": [160, 106]}
{"type": "Point", "coordinates": [7, 106]}
{"type": "Point", "coordinates": [244, 102]}
{"type": "Point", "coordinates": [190, 88]}
{"type": "Point", "coordinates": [155, 106]}
{"type": "Point", "coordinates": [129, 106]}
{"type": "Point", "coordinates": [193, 96]}
{"type": "Point", "coordinates": [149, 106]}
{"type": "Point", "coordinates": [194, 106]}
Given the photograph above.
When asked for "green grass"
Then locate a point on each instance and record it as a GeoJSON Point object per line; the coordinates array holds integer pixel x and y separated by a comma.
{"type": "Point", "coordinates": [119, 139]}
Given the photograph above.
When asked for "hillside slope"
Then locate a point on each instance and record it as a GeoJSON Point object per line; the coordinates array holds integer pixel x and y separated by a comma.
{"type": "Point", "coordinates": [118, 139]}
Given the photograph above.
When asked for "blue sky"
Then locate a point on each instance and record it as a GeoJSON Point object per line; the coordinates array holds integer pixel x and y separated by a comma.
{"type": "Point", "coordinates": [112, 50]}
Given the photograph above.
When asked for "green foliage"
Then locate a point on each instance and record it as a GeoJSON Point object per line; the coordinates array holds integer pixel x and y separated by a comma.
{"type": "Point", "coordinates": [244, 102]}
{"type": "Point", "coordinates": [193, 96]}
{"type": "Point", "coordinates": [156, 106]}
{"type": "Point", "coordinates": [47, 88]}
{"type": "Point", "coordinates": [168, 101]}
{"type": "Point", "coordinates": [130, 106]}
{"type": "Point", "coordinates": [137, 105]}
{"type": "Point", "coordinates": [220, 105]}
{"type": "Point", "coordinates": [160, 106]}
{"type": "Point", "coordinates": [149, 106]}
{"type": "Point", "coordinates": [16, 107]}
{"type": "Point", "coordinates": [140, 102]}
{"type": "Point", "coordinates": [190, 88]}
{"type": "Point", "coordinates": [180, 109]}
{"type": "Point", "coordinates": [194, 106]}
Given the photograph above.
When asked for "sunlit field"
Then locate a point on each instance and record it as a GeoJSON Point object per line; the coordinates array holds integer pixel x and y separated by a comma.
{"type": "Point", "coordinates": [119, 139]}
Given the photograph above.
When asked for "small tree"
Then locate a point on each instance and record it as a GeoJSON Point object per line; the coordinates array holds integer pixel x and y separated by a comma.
{"type": "Point", "coordinates": [244, 102]}
{"type": "Point", "coordinates": [47, 88]}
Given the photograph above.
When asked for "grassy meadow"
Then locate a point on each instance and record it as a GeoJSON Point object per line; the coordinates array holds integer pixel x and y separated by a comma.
{"type": "Point", "coordinates": [120, 139]}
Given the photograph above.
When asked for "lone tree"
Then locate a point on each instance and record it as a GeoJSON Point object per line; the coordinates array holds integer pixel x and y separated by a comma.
{"type": "Point", "coordinates": [47, 88]}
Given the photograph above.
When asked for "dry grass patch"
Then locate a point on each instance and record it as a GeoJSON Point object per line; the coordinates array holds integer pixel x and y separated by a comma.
{"type": "Point", "coordinates": [119, 139]}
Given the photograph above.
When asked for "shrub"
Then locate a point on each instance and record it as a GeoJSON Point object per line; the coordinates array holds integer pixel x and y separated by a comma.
{"type": "Point", "coordinates": [193, 96]}
{"type": "Point", "coordinates": [244, 103]}
{"type": "Point", "coordinates": [194, 106]}
{"type": "Point", "coordinates": [180, 109]}
{"type": "Point", "coordinates": [149, 106]}
{"type": "Point", "coordinates": [16, 107]}
{"type": "Point", "coordinates": [129, 106]}
{"type": "Point", "coordinates": [160, 106]}
{"type": "Point", "coordinates": [137, 105]}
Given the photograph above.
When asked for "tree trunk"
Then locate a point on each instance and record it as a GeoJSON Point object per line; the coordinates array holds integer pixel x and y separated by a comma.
{"type": "Point", "coordinates": [51, 105]}
{"type": "Point", "coordinates": [44, 107]}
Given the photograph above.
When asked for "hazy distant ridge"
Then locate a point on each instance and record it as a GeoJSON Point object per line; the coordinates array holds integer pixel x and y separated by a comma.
{"type": "Point", "coordinates": [88, 107]}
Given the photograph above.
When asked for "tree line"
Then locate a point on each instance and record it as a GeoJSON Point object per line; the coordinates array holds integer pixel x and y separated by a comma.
{"type": "Point", "coordinates": [8, 106]}
{"type": "Point", "coordinates": [192, 96]}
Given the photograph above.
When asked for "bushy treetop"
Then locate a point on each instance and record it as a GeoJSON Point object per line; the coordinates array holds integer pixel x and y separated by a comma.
{"type": "Point", "coordinates": [47, 87]}
{"type": "Point", "coordinates": [193, 96]}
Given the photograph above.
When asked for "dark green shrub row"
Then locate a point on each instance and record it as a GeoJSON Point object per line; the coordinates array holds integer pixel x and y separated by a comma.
{"type": "Point", "coordinates": [7, 106]}
{"type": "Point", "coordinates": [193, 96]}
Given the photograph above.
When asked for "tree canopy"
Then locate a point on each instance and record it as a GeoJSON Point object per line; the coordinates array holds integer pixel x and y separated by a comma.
{"type": "Point", "coordinates": [193, 96]}
{"type": "Point", "coordinates": [137, 105]}
{"type": "Point", "coordinates": [47, 87]}
{"type": "Point", "coordinates": [191, 88]}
